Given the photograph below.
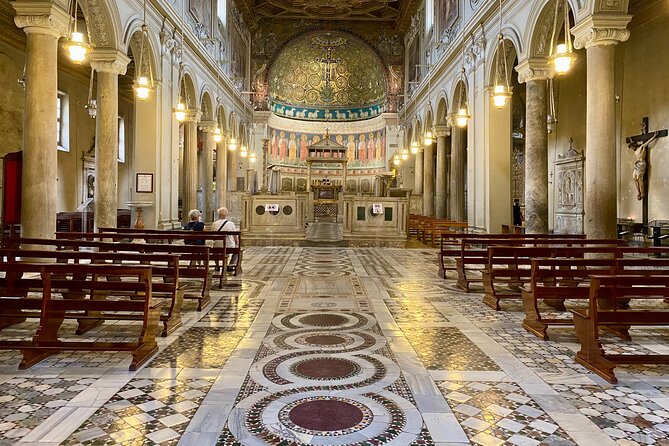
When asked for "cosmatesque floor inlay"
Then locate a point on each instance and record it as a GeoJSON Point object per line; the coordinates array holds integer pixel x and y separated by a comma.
{"type": "Point", "coordinates": [337, 346]}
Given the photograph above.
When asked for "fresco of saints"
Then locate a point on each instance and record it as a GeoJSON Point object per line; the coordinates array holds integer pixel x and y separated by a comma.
{"type": "Point", "coordinates": [350, 151]}
{"type": "Point", "coordinates": [283, 145]}
{"type": "Point", "coordinates": [377, 150]}
{"type": "Point", "coordinates": [362, 149]}
{"type": "Point", "coordinates": [303, 146]}
{"type": "Point", "coordinates": [383, 146]}
{"type": "Point", "coordinates": [315, 140]}
{"type": "Point", "coordinates": [370, 147]}
{"type": "Point", "coordinates": [275, 145]}
{"type": "Point", "coordinates": [292, 147]}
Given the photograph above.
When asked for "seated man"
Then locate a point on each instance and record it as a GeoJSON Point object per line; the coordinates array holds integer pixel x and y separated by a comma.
{"type": "Point", "coordinates": [231, 241]}
{"type": "Point", "coordinates": [194, 224]}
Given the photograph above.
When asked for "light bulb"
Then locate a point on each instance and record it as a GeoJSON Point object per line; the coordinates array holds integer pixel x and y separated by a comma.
{"type": "Point", "coordinates": [427, 139]}
{"type": "Point", "coordinates": [500, 95]}
{"type": "Point", "coordinates": [233, 144]}
{"type": "Point", "coordinates": [244, 152]}
{"type": "Point", "coordinates": [414, 147]}
{"type": "Point", "coordinates": [462, 118]}
{"type": "Point", "coordinates": [563, 59]}
{"type": "Point", "coordinates": [404, 155]}
{"type": "Point", "coordinates": [76, 47]}
{"type": "Point", "coordinates": [252, 157]}
{"type": "Point", "coordinates": [142, 88]}
{"type": "Point", "coordinates": [396, 160]}
{"type": "Point", "coordinates": [180, 112]}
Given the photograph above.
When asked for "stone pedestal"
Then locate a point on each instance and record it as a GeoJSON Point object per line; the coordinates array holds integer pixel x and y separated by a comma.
{"type": "Point", "coordinates": [599, 34]}
{"type": "Point", "coordinates": [43, 25]}
{"type": "Point", "coordinates": [457, 174]}
{"type": "Point", "coordinates": [428, 181]}
{"type": "Point", "coordinates": [440, 204]}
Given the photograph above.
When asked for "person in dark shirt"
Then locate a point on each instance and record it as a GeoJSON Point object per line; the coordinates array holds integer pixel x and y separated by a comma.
{"type": "Point", "coordinates": [517, 215]}
{"type": "Point", "coordinates": [194, 225]}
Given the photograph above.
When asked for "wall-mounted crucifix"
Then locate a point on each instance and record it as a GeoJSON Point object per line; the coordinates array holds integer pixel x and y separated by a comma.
{"type": "Point", "coordinates": [640, 144]}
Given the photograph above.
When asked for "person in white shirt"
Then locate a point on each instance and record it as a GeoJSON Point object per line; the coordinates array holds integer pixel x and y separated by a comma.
{"type": "Point", "coordinates": [231, 241]}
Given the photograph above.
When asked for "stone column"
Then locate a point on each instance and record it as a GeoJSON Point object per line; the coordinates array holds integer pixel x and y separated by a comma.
{"type": "Point", "coordinates": [428, 181]}
{"type": "Point", "coordinates": [208, 177]}
{"type": "Point", "coordinates": [232, 167]}
{"type": "Point", "coordinates": [441, 173]}
{"type": "Point", "coordinates": [265, 164]}
{"type": "Point", "coordinates": [534, 74]}
{"type": "Point", "coordinates": [108, 66]}
{"type": "Point", "coordinates": [44, 24]}
{"type": "Point", "coordinates": [599, 35]}
{"type": "Point", "coordinates": [189, 199]}
{"type": "Point", "coordinates": [221, 172]}
{"type": "Point", "coordinates": [457, 173]}
{"type": "Point", "coordinates": [418, 173]}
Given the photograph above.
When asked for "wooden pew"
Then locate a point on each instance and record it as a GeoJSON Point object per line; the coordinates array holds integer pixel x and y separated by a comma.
{"type": "Point", "coordinates": [414, 219]}
{"type": "Point", "coordinates": [509, 268]}
{"type": "Point", "coordinates": [86, 289]}
{"type": "Point", "coordinates": [165, 274]}
{"type": "Point", "coordinates": [474, 258]}
{"type": "Point", "coordinates": [441, 228]}
{"type": "Point", "coordinates": [604, 312]}
{"type": "Point", "coordinates": [555, 279]}
{"type": "Point", "coordinates": [171, 236]}
{"type": "Point", "coordinates": [194, 260]}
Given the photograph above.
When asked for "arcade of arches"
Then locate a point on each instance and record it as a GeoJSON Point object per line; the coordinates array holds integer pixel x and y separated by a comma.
{"type": "Point", "coordinates": [322, 127]}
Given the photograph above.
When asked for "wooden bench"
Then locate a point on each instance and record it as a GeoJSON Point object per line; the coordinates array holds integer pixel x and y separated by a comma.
{"type": "Point", "coordinates": [509, 268]}
{"type": "Point", "coordinates": [414, 220]}
{"type": "Point", "coordinates": [86, 290]}
{"type": "Point", "coordinates": [604, 312]}
{"type": "Point", "coordinates": [194, 260]}
{"type": "Point", "coordinates": [474, 254]}
{"type": "Point", "coordinates": [165, 274]}
{"type": "Point", "coordinates": [441, 228]}
{"type": "Point", "coordinates": [556, 280]}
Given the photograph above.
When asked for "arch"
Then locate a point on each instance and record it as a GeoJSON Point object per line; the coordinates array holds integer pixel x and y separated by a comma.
{"type": "Point", "coordinates": [541, 20]}
{"type": "Point", "coordinates": [133, 43]}
{"type": "Point", "coordinates": [220, 118]}
{"type": "Point", "coordinates": [418, 129]}
{"type": "Point", "coordinates": [460, 93]}
{"type": "Point", "coordinates": [103, 22]}
{"type": "Point", "coordinates": [206, 107]}
{"type": "Point", "coordinates": [429, 117]}
{"type": "Point", "coordinates": [232, 120]}
{"type": "Point", "coordinates": [188, 92]}
{"type": "Point", "coordinates": [442, 110]}
{"type": "Point", "coordinates": [511, 53]}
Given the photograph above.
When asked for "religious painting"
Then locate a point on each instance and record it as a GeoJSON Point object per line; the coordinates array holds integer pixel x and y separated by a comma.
{"type": "Point", "coordinates": [414, 59]}
{"type": "Point", "coordinates": [239, 53]}
{"type": "Point", "coordinates": [364, 150]}
{"type": "Point", "coordinates": [202, 11]}
{"type": "Point", "coordinates": [448, 14]}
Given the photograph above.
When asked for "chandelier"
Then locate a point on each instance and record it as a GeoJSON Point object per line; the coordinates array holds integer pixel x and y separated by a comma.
{"type": "Point", "coordinates": [562, 56]}
{"type": "Point", "coordinates": [143, 84]}
{"type": "Point", "coordinates": [502, 91]}
{"type": "Point", "coordinates": [75, 45]}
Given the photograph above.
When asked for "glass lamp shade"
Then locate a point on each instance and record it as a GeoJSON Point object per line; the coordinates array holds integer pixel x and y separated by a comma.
{"type": "Point", "coordinates": [233, 144]}
{"type": "Point", "coordinates": [76, 47]}
{"type": "Point", "coordinates": [414, 147]}
{"type": "Point", "coordinates": [218, 137]}
{"type": "Point", "coordinates": [180, 112]}
{"type": "Point", "coordinates": [462, 118]}
{"type": "Point", "coordinates": [142, 88]}
{"type": "Point", "coordinates": [563, 59]}
{"type": "Point", "coordinates": [252, 157]}
{"type": "Point", "coordinates": [501, 95]}
{"type": "Point", "coordinates": [428, 138]}
{"type": "Point", "coordinates": [244, 152]}
{"type": "Point", "coordinates": [396, 160]}
{"type": "Point", "coordinates": [404, 154]}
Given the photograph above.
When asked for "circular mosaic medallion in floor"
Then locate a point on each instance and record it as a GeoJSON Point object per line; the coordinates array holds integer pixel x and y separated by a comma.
{"type": "Point", "coordinates": [325, 368]}
{"type": "Point", "coordinates": [324, 320]}
{"type": "Point", "coordinates": [327, 341]}
{"type": "Point", "coordinates": [304, 416]}
{"type": "Point", "coordinates": [337, 416]}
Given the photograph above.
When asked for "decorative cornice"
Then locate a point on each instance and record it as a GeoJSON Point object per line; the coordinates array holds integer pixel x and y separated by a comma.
{"type": "Point", "coordinates": [107, 60]}
{"type": "Point", "coordinates": [601, 29]}
{"type": "Point", "coordinates": [193, 115]}
{"type": "Point", "coordinates": [441, 131]}
{"type": "Point", "coordinates": [207, 126]}
{"type": "Point", "coordinates": [41, 18]}
{"type": "Point", "coordinates": [535, 69]}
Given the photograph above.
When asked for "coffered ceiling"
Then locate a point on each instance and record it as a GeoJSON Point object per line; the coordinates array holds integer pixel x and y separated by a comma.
{"type": "Point", "coordinates": [395, 13]}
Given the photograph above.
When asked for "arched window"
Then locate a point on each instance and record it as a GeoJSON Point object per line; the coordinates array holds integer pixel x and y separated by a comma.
{"type": "Point", "coordinates": [429, 15]}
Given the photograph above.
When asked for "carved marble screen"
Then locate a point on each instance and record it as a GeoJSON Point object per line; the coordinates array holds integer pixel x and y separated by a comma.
{"type": "Point", "coordinates": [569, 193]}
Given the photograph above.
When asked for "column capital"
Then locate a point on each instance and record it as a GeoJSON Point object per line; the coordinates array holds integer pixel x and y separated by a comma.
{"type": "Point", "coordinates": [193, 115]}
{"type": "Point", "coordinates": [534, 69]}
{"type": "Point", "coordinates": [442, 131]}
{"type": "Point", "coordinates": [41, 18]}
{"type": "Point", "coordinates": [207, 126]}
{"type": "Point", "coordinates": [108, 60]}
{"type": "Point", "coordinates": [601, 29]}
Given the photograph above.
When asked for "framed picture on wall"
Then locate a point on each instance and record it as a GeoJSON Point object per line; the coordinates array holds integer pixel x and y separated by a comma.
{"type": "Point", "coordinates": [144, 183]}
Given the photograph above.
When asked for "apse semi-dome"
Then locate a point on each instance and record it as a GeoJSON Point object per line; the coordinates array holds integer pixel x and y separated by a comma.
{"type": "Point", "coordinates": [327, 76]}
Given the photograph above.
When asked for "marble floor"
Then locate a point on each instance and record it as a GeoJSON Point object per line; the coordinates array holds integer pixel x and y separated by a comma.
{"type": "Point", "coordinates": [337, 346]}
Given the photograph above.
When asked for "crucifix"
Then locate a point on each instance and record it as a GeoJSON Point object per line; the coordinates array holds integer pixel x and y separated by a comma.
{"type": "Point", "coordinates": [329, 65]}
{"type": "Point", "coordinates": [640, 144]}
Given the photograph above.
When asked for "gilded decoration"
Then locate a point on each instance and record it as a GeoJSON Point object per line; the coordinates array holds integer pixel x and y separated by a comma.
{"type": "Point", "coordinates": [327, 76]}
